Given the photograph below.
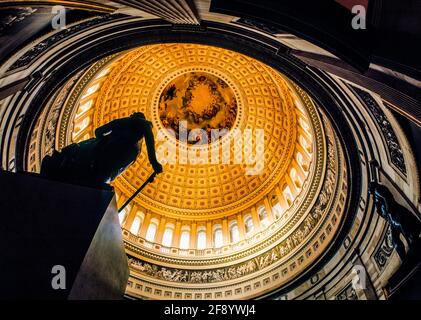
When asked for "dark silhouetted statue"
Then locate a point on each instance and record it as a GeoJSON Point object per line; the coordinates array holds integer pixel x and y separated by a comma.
{"type": "Point", "coordinates": [400, 219]}
{"type": "Point", "coordinates": [98, 161]}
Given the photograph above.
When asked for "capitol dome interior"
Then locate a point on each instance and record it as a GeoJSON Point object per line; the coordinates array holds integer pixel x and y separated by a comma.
{"type": "Point", "coordinates": [279, 203]}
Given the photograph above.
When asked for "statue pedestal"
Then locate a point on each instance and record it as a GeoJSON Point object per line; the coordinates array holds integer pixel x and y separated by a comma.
{"type": "Point", "coordinates": [45, 224]}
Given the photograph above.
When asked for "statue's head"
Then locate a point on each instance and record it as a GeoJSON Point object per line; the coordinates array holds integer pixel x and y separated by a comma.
{"type": "Point", "coordinates": [376, 188]}
{"type": "Point", "coordinates": [138, 115]}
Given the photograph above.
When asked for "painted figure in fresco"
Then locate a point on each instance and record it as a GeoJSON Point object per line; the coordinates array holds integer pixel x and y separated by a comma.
{"type": "Point", "coordinates": [98, 161]}
{"type": "Point", "coordinates": [400, 219]}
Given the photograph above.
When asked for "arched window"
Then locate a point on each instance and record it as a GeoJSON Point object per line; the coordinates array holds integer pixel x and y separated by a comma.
{"type": "Point", "coordinates": [234, 232]}
{"type": "Point", "coordinates": [151, 232]}
{"type": "Point", "coordinates": [218, 239]}
{"type": "Point", "coordinates": [81, 125]}
{"type": "Point", "coordinates": [137, 221]}
{"type": "Point", "coordinates": [185, 239]}
{"type": "Point", "coordinates": [288, 195]}
{"type": "Point", "coordinates": [262, 213]}
{"type": "Point", "coordinates": [201, 239]}
{"type": "Point", "coordinates": [248, 224]}
{"type": "Point", "coordinates": [168, 235]}
{"type": "Point", "coordinates": [277, 210]}
{"type": "Point", "coordinates": [103, 72]}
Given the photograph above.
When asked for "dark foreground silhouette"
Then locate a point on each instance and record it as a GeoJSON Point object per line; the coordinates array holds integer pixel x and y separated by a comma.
{"type": "Point", "coordinates": [401, 220]}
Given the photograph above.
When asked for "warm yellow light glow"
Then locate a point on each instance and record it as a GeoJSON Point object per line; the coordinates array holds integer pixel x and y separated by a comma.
{"type": "Point", "coordinates": [158, 80]}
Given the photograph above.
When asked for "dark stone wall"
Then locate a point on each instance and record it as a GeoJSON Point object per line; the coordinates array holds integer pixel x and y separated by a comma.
{"type": "Point", "coordinates": [46, 223]}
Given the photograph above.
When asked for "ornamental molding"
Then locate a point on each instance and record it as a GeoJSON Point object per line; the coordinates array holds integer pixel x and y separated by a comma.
{"type": "Point", "coordinates": [393, 145]}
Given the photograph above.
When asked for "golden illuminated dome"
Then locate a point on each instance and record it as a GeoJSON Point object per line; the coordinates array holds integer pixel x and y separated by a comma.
{"type": "Point", "coordinates": [261, 196]}
{"type": "Point", "coordinates": [193, 190]}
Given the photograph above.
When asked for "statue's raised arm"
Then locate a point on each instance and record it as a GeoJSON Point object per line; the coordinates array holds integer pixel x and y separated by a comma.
{"type": "Point", "coordinates": [100, 160]}
{"type": "Point", "coordinates": [150, 146]}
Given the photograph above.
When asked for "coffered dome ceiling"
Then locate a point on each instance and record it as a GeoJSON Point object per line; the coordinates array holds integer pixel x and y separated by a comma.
{"type": "Point", "coordinates": [194, 190]}
{"type": "Point", "coordinates": [271, 200]}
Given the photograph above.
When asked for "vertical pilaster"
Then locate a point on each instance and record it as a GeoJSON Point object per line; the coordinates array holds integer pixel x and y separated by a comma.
{"type": "Point", "coordinates": [209, 243]}
{"type": "Point", "coordinates": [256, 220]}
{"type": "Point", "coordinates": [161, 229]}
{"type": "Point", "coordinates": [241, 227]}
{"type": "Point", "coordinates": [130, 217]}
{"type": "Point", "coordinates": [225, 232]}
{"type": "Point", "coordinates": [176, 235]}
{"type": "Point", "coordinates": [145, 225]}
{"type": "Point", "coordinates": [193, 235]}
{"type": "Point", "coordinates": [268, 208]}
{"type": "Point", "coordinates": [282, 202]}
